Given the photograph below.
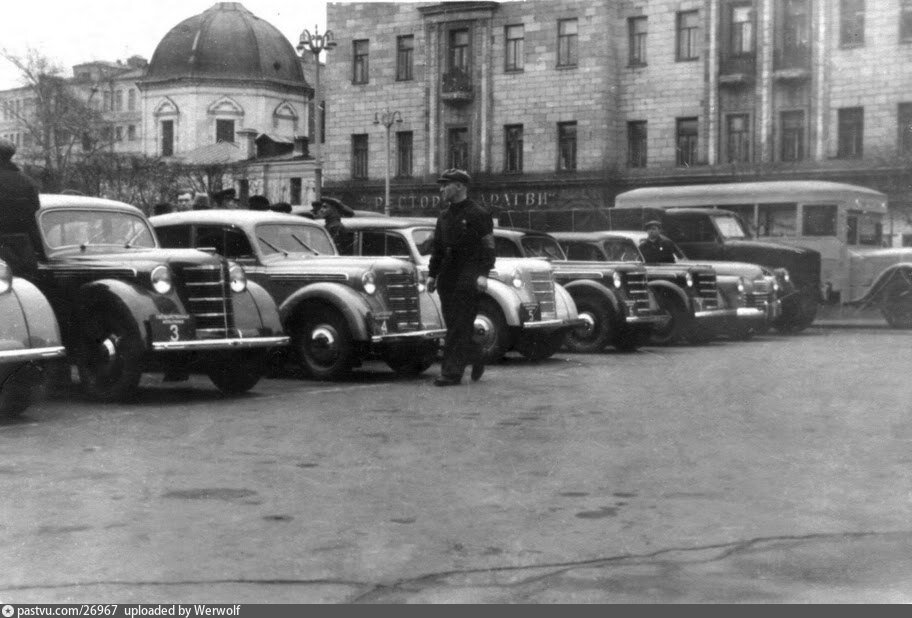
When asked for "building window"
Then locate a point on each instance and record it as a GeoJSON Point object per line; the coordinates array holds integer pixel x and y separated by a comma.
{"type": "Point", "coordinates": [566, 146]}
{"type": "Point", "coordinates": [686, 141]}
{"type": "Point", "coordinates": [514, 53]}
{"type": "Point", "coordinates": [405, 47]}
{"type": "Point", "coordinates": [404, 156]}
{"type": "Point", "coordinates": [359, 61]}
{"type": "Point", "coordinates": [131, 132]}
{"type": "Point", "coordinates": [118, 134]}
{"type": "Point", "coordinates": [688, 35]}
{"type": "Point", "coordinates": [359, 155]}
{"type": "Point", "coordinates": [107, 97]}
{"type": "Point", "coordinates": [905, 21]}
{"type": "Point", "coordinates": [636, 32]}
{"type": "Point", "coordinates": [459, 51]}
{"type": "Point", "coordinates": [131, 100]}
{"type": "Point", "coordinates": [904, 117]}
{"type": "Point", "coordinates": [458, 148]}
{"type": "Point", "coordinates": [295, 190]}
{"type": "Point", "coordinates": [742, 30]}
{"type": "Point", "coordinates": [567, 43]}
{"type": "Point", "coordinates": [792, 148]}
{"type": "Point", "coordinates": [738, 138]}
{"type": "Point", "coordinates": [851, 22]}
{"type": "Point", "coordinates": [167, 138]}
{"type": "Point", "coordinates": [513, 148]}
{"type": "Point", "coordinates": [224, 131]}
{"type": "Point", "coordinates": [795, 29]}
{"type": "Point", "coordinates": [636, 143]}
{"type": "Point", "coordinates": [851, 132]}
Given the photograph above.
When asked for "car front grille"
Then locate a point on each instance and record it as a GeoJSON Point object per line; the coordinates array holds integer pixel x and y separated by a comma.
{"type": "Point", "coordinates": [761, 294]}
{"type": "Point", "coordinates": [209, 300]}
{"type": "Point", "coordinates": [637, 290]}
{"type": "Point", "coordinates": [402, 294]}
{"type": "Point", "coordinates": [705, 284]}
{"type": "Point", "coordinates": [543, 290]}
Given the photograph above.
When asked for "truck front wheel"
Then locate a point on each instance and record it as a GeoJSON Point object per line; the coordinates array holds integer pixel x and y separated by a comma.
{"type": "Point", "coordinates": [323, 343]}
{"type": "Point", "coordinates": [109, 352]}
{"type": "Point", "coordinates": [597, 332]}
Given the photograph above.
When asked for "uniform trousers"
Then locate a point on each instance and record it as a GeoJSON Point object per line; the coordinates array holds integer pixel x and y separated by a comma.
{"type": "Point", "coordinates": [460, 348]}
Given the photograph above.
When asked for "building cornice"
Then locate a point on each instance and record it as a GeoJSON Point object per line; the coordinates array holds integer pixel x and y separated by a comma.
{"type": "Point", "coordinates": [447, 11]}
{"type": "Point", "coordinates": [246, 84]}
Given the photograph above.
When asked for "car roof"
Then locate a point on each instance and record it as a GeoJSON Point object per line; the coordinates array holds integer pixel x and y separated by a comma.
{"type": "Point", "coordinates": [222, 215]}
{"type": "Point", "coordinates": [383, 222]}
{"type": "Point", "coordinates": [770, 191]}
{"type": "Point", "coordinates": [599, 234]}
{"type": "Point", "coordinates": [515, 232]}
{"type": "Point", "coordinates": [56, 200]}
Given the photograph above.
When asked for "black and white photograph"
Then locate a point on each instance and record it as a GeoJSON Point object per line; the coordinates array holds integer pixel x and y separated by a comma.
{"type": "Point", "coordinates": [551, 302]}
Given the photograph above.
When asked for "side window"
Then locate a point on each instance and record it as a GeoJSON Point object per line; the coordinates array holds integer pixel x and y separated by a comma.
{"type": "Point", "coordinates": [383, 243]}
{"type": "Point", "coordinates": [504, 247]}
{"type": "Point", "coordinates": [582, 251]}
{"type": "Point", "coordinates": [174, 237]}
{"type": "Point", "coordinates": [692, 229]}
{"type": "Point", "coordinates": [228, 242]}
{"type": "Point", "coordinates": [777, 220]}
{"type": "Point", "coordinates": [819, 220]}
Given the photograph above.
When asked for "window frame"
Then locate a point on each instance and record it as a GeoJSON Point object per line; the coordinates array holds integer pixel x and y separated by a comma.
{"type": "Point", "coordinates": [360, 61]}
{"type": "Point", "coordinates": [736, 29]}
{"type": "Point", "coordinates": [360, 150]}
{"type": "Point", "coordinates": [567, 44]}
{"type": "Point", "coordinates": [637, 143]}
{"type": "Point", "coordinates": [905, 21]}
{"type": "Point", "coordinates": [513, 148]}
{"type": "Point", "coordinates": [689, 138]}
{"type": "Point", "coordinates": [405, 157]}
{"type": "Point", "coordinates": [850, 132]}
{"type": "Point", "coordinates": [785, 131]}
{"type": "Point", "coordinates": [636, 40]}
{"type": "Point", "coordinates": [745, 149]}
{"type": "Point", "coordinates": [852, 28]}
{"type": "Point", "coordinates": [692, 40]}
{"type": "Point", "coordinates": [518, 49]}
{"type": "Point", "coordinates": [904, 128]}
{"type": "Point", "coordinates": [459, 61]}
{"type": "Point", "coordinates": [458, 151]}
{"type": "Point", "coordinates": [565, 139]}
{"type": "Point", "coordinates": [220, 124]}
{"type": "Point", "coordinates": [405, 58]}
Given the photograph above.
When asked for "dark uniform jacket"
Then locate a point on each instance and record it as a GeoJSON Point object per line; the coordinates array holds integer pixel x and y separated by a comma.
{"type": "Point", "coordinates": [658, 251]}
{"type": "Point", "coordinates": [463, 246]}
{"type": "Point", "coordinates": [19, 237]}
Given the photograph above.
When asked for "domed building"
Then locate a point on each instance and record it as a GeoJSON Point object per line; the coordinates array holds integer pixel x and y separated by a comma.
{"type": "Point", "coordinates": [225, 86]}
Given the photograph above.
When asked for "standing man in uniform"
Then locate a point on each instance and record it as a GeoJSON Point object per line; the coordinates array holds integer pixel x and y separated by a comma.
{"type": "Point", "coordinates": [462, 257]}
{"type": "Point", "coordinates": [331, 211]}
{"type": "Point", "coordinates": [656, 249]}
{"type": "Point", "coordinates": [19, 236]}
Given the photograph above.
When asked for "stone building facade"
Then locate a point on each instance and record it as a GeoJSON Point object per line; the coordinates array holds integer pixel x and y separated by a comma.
{"type": "Point", "coordinates": [643, 92]}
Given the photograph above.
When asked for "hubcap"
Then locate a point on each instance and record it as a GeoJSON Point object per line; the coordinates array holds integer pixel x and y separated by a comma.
{"type": "Point", "coordinates": [484, 331]}
{"type": "Point", "coordinates": [324, 343]}
{"type": "Point", "coordinates": [585, 330]}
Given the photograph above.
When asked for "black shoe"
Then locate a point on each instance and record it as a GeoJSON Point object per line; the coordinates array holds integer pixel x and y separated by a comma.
{"type": "Point", "coordinates": [443, 381]}
{"type": "Point", "coordinates": [477, 371]}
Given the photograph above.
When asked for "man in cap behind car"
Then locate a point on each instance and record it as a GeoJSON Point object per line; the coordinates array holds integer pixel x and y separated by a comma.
{"type": "Point", "coordinates": [656, 249]}
{"type": "Point", "coordinates": [19, 237]}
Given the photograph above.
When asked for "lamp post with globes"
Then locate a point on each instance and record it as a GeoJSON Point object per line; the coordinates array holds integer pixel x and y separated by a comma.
{"type": "Point", "coordinates": [387, 118]}
{"type": "Point", "coordinates": [315, 43]}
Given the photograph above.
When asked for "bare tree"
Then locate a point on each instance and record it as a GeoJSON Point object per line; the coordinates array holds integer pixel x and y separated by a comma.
{"type": "Point", "coordinates": [58, 118]}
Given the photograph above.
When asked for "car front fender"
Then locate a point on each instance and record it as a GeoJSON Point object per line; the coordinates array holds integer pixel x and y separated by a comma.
{"type": "Point", "coordinates": [39, 315]}
{"type": "Point", "coordinates": [594, 288]}
{"type": "Point", "coordinates": [563, 303]}
{"type": "Point", "coordinates": [255, 312]}
{"type": "Point", "coordinates": [896, 278]}
{"type": "Point", "coordinates": [507, 299]}
{"type": "Point", "coordinates": [667, 288]}
{"type": "Point", "coordinates": [348, 302]}
{"type": "Point", "coordinates": [141, 303]}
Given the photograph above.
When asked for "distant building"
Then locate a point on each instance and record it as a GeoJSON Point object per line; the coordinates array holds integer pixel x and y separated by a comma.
{"type": "Point", "coordinates": [563, 104]}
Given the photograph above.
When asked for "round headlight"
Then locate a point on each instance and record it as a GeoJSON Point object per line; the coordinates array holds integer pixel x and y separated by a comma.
{"type": "Point", "coordinates": [516, 279]}
{"type": "Point", "coordinates": [161, 280]}
{"type": "Point", "coordinates": [742, 286]}
{"type": "Point", "coordinates": [368, 282]}
{"type": "Point", "coordinates": [689, 279]}
{"type": "Point", "coordinates": [784, 273]}
{"type": "Point", "coordinates": [775, 287]}
{"type": "Point", "coordinates": [237, 278]}
{"type": "Point", "coordinates": [617, 280]}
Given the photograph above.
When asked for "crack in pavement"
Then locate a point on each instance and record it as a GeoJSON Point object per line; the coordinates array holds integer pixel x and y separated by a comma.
{"type": "Point", "coordinates": [411, 584]}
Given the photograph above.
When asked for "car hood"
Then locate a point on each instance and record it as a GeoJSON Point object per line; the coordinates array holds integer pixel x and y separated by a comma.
{"type": "Point", "coordinates": [736, 269]}
{"type": "Point", "coordinates": [335, 264]}
{"type": "Point", "coordinates": [595, 267]}
{"type": "Point", "coordinates": [138, 260]}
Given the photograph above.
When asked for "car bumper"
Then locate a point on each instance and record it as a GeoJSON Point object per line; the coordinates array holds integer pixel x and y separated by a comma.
{"type": "Point", "coordinates": [715, 314]}
{"type": "Point", "coordinates": [31, 354]}
{"type": "Point", "coordinates": [239, 343]}
{"type": "Point", "coordinates": [556, 324]}
{"type": "Point", "coordinates": [418, 335]}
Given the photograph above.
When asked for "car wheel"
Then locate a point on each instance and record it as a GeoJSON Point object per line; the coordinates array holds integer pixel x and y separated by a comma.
{"type": "Point", "coordinates": [412, 360]}
{"type": "Point", "coordinates": [800, 317]}
{"type": "Point", "coordinates": [109, 352]}
{"type": "Point", "coordinates": [20, 389]}
{"type": "Point", "coordinates": [491, 332]}
{"type": "Point", "coordinates": [323, 343]}
{"type": "Point", "coordinates": [673, 330]}
{"type": "Point", "coordinates": [538, 347]}
{"type": "Point", "coordinates": [597, 332]}
{"type": "Point", "coordinates": [237, 372]}
{"type": "Point", "coordinates": [897, 310]}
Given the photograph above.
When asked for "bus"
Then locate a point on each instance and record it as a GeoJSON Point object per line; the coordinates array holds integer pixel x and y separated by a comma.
{"type": "Point", "coordinates": [843, 222]}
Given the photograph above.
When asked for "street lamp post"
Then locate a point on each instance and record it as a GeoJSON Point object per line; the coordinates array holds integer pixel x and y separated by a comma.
{"type": "Point", "coordinates": [315, 43]}
{"type": "Point", "coordinates": [387, 118]}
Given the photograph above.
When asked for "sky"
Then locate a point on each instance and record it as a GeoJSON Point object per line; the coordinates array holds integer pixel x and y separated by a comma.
{"type": "Point", "coordinates": [74, 31]}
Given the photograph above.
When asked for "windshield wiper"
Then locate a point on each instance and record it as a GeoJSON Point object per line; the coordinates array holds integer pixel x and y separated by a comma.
{"type": "Point", "coordinates": [305, 245]}
{"type": "Point", "coordinates": [129, 243]}
{"type": "Point", "coordinates": [272, 246]}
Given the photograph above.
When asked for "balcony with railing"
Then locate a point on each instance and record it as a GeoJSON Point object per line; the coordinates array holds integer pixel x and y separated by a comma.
{"type": "Point", "coordinates": [792, 62]}
{"type": "Point", "coordinates": [737, 69]}
{"type": "Point", "coordinates": [457, 86]}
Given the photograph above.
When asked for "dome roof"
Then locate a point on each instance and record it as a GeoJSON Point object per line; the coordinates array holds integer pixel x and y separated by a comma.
{"type": "Point", "coordinates": [226, 42]}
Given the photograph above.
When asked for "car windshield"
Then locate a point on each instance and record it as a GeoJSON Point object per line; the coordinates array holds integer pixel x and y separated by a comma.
{"type": "Point", "coordinates": [730, 227]}
{"type": "Point", "coordinates": [87, 228]}
{"type": "Point", "coordinates": [290, 238]}
{"type": "Point", "coordinates": [542, 246]}
{"type": "Point", "coordinates": [621, 250]}
{"type": "Point", "coordinates": [424, 240]}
